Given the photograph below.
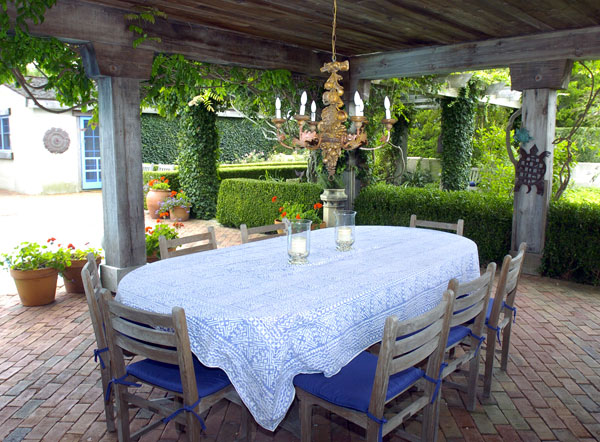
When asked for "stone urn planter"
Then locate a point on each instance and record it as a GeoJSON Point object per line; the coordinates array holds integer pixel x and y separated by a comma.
{"type": "Point", "coordinates": [35, 287]}
{"type": "Point", "coordinates": [179, 213]}
{"type": "Point", "coordinates": [154, 199]}
{"type": "Point", "coordinates": [333, 199]}
{"type": "Point", "coordinates": [72, 275]}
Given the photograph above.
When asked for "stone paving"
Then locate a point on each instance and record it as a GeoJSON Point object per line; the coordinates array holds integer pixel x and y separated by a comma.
{"type": "Point", "coordinates": [50, 386]}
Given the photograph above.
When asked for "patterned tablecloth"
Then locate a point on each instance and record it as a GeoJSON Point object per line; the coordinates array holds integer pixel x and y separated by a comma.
{"type": "Point", "coordinates": [263, 321]}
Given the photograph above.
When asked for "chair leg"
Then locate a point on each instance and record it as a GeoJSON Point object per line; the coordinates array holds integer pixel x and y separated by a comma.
{"type": "Point", "coordinates": [505, 346]}
{"type": "Point", "coordinates": [192, 427]}
{"type": "Point", "coordinates": [305, 420]}
{"type": "Point", "coordinates": [489, 363]}
{"type": "Point", "coordinates": [472, 382]}
{"type": "Point", "coordinates": [123, 433]}
{"type": "Point", "coordinates": [248, 424]}
{"type": "Point", "coordinates": [431, 414]}
{"type": "Point", "coordinates": [109, 406]}
{"type": "Point", "coordinates": [372, 431]}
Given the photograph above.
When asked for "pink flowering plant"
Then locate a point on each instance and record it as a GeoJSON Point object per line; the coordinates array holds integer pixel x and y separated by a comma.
{"type": "Point", "coordinates": [33, 256]}
{"type": "Point", "coordinates": [176, 199]}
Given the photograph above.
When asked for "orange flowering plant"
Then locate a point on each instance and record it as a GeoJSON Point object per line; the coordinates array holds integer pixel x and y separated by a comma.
{"type": "Point", "coordinates": [157, 184]}
{"type": "Point", "coordinates": [293, 211]}
{"type": "Point", "coordinates": [176, 199]}
{"type": "Point", "coordinates": [77, 253]}
{"type": "Point", "coordinates": [153, 233]}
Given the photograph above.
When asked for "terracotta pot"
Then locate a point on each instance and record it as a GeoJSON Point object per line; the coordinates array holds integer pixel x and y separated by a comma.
{"type": "Point", "coordinates": [72, 275]}
{"type": "Point", "coordinates": [179, 213]}
{"type": "Point", "coordinates": [35, 287]}
{"type": "Point", "coordinates": [154, 257]}
{"type": "Point", "coordinates": [153, 200]}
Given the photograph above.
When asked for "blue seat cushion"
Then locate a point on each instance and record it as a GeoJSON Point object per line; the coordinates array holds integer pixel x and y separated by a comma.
{"type": "Point", "coordinates": [351, 387]}
{"type": "Point", "coordinates": [457, 334]}
{"type": "Point", "coordinates": [167, 376]}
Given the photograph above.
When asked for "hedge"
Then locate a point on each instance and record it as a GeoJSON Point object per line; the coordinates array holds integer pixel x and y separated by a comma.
{"type": "Point", "coordinates": [488, 219]}
{"type": "Point", "coordinates": [572, 249]}
{"type": "Point", "coordinates": [238, 137]}
{"type": "Point", "coordinates": [260, 170]}
{"type": "Point", "coordinates": [159, 139]}
{"type": "Point", "coordinates": [248, 201]}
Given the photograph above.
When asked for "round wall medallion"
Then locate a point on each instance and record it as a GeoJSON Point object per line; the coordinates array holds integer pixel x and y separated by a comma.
{"type": "Point", "coordinates": [56, 140]}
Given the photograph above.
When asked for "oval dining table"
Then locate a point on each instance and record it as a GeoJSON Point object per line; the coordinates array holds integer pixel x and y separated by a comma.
{"type": "Point", "coordinates": [263, 320]}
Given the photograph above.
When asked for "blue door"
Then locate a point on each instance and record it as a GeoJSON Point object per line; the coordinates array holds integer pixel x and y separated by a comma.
{"type": "Point", "coordinates": [90, 155]}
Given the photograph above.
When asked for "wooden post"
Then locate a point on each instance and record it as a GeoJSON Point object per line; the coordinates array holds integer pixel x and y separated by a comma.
{"type": "Point", "coordinates": [539, 82]}
{"type": "Point", "coordinates": [121, 153]}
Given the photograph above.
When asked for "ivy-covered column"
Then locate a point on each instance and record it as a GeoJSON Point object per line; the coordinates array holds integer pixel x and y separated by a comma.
{"type": "Point", "coordinates": [198, 156]}
{"type": "Point", "coordinates": [458, 125]}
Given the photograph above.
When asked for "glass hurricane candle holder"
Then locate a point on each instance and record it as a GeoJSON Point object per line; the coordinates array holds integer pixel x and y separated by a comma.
{"type": "Point", "coordinates": [298, 241]}
{"type": "Point", "coordinates": [344, 229]}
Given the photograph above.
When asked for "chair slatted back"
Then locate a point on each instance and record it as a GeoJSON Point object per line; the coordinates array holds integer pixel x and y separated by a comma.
{"type": "Point", "coordinates": [427, 340]}
{"type": "Point", "coordinates": [457, 227]}
{"type": "Point", "coordinates": [93, 292]}
{"type": "Point", "coordinates": [507, 286]}
{"type": "Point", "coordinates": [247, 232]}
{"type": "Point", "coordinates": [159, 337]}
{"type": "Point", "coordinates": [472, 298]}
{"type": "Point", "coordinates": [208, 239]}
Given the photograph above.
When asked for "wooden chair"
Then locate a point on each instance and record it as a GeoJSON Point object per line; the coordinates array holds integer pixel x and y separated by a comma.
{"type": "Point", "coordinates": [503, 303]}
{"type": "Point", "coordinates": [246, 232]}
{"type": "Point", "coordinates": [458, 227]}
{"type": "Point", "coordinates": [466, 329]}
{"type": "Point", "coordinates": [162, 339]}
{"type": "Point", "coordinates": [360, 391]}
{"type": "Point", "coordinates": [93, 291]}
{"type": "Point", "coordinates": [168, 246]}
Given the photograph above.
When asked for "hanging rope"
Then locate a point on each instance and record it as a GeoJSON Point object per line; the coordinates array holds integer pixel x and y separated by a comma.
{"type": "Point", "coordinates": [333, 26]}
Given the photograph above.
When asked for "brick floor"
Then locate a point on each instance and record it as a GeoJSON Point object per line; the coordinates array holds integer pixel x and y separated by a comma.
{"type": "Point", "coordinates": [50, 387]}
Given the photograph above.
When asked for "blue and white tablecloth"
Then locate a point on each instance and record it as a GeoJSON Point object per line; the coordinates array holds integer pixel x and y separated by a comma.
{"type": "Point", "coordinates": [263, 321]}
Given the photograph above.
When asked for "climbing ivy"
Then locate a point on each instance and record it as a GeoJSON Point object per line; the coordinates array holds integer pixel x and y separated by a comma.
{"type": "Point", "coordinates": [458, 125]}
{"type": "Point", "coordinates": [198, 155]}
{"type": "Point", "coordinates": [159, 139]}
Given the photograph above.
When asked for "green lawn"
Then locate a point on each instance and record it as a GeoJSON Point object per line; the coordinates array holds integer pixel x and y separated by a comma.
{"type": "Point", "coordinates": [583, 195]}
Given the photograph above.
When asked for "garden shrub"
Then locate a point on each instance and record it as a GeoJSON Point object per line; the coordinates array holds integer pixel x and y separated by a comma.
{"type": "Point", "coordinates": [261, 170]}
{"type": "Point", "coordinates": [198, 153]}
{"type": "Point", "coordinates": [238, 137]}
{"type": "Point", "coordinates": [247, 201]}
{"type": "Point", "coordinates": [572, 249]}
{"type": "Point", "coordinates": [488, 218]}
{"type": "Point", "coordinates": [159, 139]}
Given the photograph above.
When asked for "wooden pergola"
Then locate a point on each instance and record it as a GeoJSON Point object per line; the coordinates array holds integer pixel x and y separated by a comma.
{"type": "Point", "coordinates": [537, 39]}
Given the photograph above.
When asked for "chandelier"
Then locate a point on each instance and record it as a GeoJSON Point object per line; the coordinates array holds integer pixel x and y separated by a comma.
{"type": "Point", "coordinates": [330, 134]}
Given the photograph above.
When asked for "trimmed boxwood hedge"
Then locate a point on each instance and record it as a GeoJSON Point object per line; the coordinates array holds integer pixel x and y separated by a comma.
{"type": "Point", "coordinates": [488, 219]}
{"type": "Point", "coordinates": [248, 201]}
{"type": "Point", "coordinates": [572, 249]}
{"type": "Point", "coordinates": [258, 170]}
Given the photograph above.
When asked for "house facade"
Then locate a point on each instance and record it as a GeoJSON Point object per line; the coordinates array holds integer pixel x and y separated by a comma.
{"type": "Point", "coordinates": [42, 152]}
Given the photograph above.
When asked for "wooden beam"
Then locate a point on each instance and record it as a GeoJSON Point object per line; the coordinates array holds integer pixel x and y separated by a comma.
{"type": "Point", "coordinates": [553, 74]}
{"type": "Point", "coordinates": [78, 21]}
{"type": "Point", "coordinates": [559, 45]}
{"type": "Point", "coordinates": [102, 60]}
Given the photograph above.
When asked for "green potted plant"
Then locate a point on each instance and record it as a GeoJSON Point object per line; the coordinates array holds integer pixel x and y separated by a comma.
{"type": "Point", "coordinates": [152, 235]}
{"type": "Point", "coordinates": [72, 274]}
{"type": "Point", "coordinates": [35, 269]}
{"type": "Point", "coordinates": [177, 205]}
{"type": "Point", "coordinates": [158, 191]}
{"type": "Point", "coordinates": [293, 211]}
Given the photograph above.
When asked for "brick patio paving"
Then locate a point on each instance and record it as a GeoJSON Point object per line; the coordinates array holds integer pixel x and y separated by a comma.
{"type": "Point", "coordinates": [50, 386]}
